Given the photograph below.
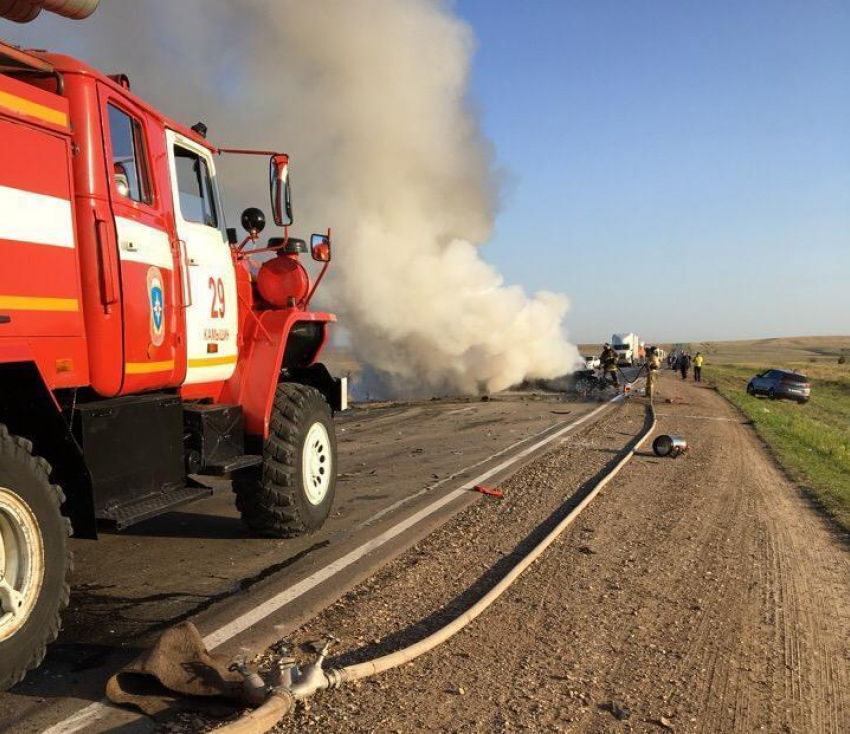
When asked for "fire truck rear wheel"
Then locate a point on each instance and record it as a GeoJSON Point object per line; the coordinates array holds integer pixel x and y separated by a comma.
{"type": "Point", "coordinates": [35, 558]}
{"type": "Point", "coordinates": [292, 493]}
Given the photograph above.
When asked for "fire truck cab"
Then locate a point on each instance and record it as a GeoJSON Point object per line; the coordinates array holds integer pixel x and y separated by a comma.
{"type": "Point", "coordinates": [143, 346]}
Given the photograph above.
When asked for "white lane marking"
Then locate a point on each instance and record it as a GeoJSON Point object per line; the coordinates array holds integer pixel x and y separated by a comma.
{"type": "Point", "coordinates": [99, 709]}
{"type": "Point", "coordinates": [38, 218]}
{"type": "Point", "coordinates": [462, 410]}
{"type": "Point", "coordinates": [701, 417]}
{"type": "Point", "coordinates": [84, 717]}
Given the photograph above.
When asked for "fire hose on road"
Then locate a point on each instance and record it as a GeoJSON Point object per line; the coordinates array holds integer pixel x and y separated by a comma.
{"type": "Point", "coordinates": [281, 698]}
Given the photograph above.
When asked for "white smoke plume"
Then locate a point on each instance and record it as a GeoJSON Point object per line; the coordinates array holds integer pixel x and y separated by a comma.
{"type": "Point", "coordinates": [370, 99]}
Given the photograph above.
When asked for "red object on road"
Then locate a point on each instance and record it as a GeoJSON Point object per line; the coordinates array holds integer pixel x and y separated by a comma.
{"type": "Point", "coordinates": [489, 491]}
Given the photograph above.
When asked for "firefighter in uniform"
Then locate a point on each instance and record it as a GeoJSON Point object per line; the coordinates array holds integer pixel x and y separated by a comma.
{"type": "Point", "coordinates": [608, 358]}
{"type": "Point", "coordinates": [652, 367]}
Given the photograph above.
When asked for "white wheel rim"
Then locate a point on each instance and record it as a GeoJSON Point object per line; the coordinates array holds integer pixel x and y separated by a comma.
{"type": "Point", "coordinates": [317, 463]}
{"type": "Point", "coordinates": [21, 562]}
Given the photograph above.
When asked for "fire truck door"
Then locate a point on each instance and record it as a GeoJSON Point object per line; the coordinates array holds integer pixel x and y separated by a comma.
{"type": "Point", "coordinates": [148, 282]}
{"type": "Point", "coordinates": [210, 297]}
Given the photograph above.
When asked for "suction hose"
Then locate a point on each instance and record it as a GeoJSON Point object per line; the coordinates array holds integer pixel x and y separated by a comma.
{"type": "Point", "coordinates": [24, 11]}
{"type": "Point", "coordinates": [316, 679]}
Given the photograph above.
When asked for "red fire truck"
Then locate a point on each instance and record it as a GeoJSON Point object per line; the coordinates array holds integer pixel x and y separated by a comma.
{"type": "Point", "coordinates": [143, 346]}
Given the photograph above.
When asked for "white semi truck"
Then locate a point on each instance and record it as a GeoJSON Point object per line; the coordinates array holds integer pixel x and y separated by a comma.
{"type": "Point", "coordinates": [627, 347]}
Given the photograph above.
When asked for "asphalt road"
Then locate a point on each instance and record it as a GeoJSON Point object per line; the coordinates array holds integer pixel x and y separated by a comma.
{"type": "Point", "coordinates": [200, 563]}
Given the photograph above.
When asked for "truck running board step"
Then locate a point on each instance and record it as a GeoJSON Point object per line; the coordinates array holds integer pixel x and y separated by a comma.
{"type": "Point", "coordinates": [234, 463]}
{"type": "Point", "coordinates": [129, 514]}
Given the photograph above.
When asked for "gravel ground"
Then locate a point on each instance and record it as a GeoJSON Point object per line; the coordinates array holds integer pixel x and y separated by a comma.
{"type": "Point", "coordinates": [701, 594]}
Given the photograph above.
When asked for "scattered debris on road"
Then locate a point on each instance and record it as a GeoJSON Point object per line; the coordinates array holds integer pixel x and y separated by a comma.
{"type": "Point", "coordinates": [489, 491]}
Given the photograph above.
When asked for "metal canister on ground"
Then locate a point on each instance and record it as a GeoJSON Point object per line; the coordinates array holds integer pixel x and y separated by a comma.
{"type": "Point", "coordinates": [672, 446]}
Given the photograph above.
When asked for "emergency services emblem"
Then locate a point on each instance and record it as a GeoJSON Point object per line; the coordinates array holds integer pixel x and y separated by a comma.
{"type": "Point", "coordinates": [156, 298]}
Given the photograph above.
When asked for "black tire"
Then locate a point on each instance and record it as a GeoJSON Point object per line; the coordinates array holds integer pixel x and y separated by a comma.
{"type": "Point", "coordinates": [751, 390]}
{"type": "Point", "coordinates": [274, 499]}
{"type": "Point", "coordinates": [25, 486]}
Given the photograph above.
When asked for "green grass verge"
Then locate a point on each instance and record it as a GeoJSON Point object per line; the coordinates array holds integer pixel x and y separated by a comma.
{"type": "Point", "coordinates": [811, 441]}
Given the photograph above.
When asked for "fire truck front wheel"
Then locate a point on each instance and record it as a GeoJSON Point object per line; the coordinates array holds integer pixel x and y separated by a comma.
{"type": "Point", "coordinates": [35, 558]}
{"type": "Point", "coordinates": [292, 493]}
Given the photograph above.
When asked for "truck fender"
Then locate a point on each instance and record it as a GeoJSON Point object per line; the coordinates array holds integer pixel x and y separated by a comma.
{"type": "Point", "coordinates": [29, 409]}
{"type": "Point", "coordinates": [275, 343]}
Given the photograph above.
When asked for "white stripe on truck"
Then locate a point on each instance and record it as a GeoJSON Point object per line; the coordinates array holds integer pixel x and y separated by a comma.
{"type": "Point", "coordinates": [141, 243]}
{"type": "Point", "coordinates": [36, 218]}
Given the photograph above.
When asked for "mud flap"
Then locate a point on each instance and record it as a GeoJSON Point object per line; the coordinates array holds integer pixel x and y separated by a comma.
{"type": "Point", "coordinates": [334, 389]}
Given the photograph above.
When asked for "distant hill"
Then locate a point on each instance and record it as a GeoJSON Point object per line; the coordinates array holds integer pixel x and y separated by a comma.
{"type": "Point", "coordinates": [760, 351]}
{"type": "Point", "coordinates": [779, 349]}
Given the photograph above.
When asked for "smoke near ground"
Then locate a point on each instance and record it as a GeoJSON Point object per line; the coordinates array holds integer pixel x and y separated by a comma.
{"type": "Point", "coordinates": [370, 98]}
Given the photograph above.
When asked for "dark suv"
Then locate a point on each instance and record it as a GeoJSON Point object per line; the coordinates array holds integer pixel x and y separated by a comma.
{"type": "Point", "coordinates": [781, 384]}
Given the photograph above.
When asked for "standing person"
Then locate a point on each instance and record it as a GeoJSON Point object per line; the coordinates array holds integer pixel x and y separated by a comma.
{"type": "Point", "coordinates": [684, 364]}
{"type": "Point", "coordinates": [652, 366]}
{"type": "Point", "coordinates": [608, 358]}
{"type": "Point", "coordinates": [698, 360]}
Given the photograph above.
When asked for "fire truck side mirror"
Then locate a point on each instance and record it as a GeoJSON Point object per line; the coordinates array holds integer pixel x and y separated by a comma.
{"type": "Point", "coordinates": [320, 247]}
{"type": "Point", "coordinates": [280, 191]}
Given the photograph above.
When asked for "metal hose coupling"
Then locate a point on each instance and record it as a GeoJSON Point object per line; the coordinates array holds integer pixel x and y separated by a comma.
{"type": "Point", "coordinates": [313, 677]}
{"type": "Point", "coordinates": [285, 672]}
{"type": "Point", "coordinates": [335, 678]}
{"type": "Point", "coordinates": [254, 688]}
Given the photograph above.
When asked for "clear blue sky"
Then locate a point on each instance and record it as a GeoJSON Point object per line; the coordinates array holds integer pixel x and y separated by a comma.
{"type": "Point", "coordinates": [678, 168]}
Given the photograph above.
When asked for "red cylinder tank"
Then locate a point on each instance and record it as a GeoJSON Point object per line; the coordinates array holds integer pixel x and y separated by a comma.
{"type": "Point", "coordinates": [283, 281]}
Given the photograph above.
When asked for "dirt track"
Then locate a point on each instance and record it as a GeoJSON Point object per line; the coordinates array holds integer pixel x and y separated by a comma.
{"type": "Point", "coordinates": [702, 594]}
